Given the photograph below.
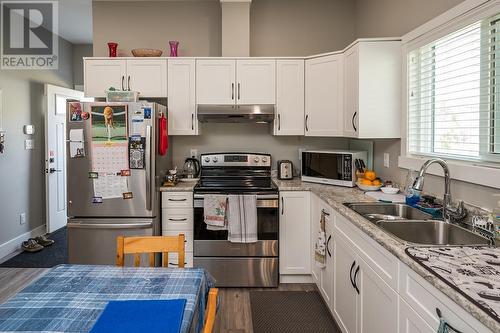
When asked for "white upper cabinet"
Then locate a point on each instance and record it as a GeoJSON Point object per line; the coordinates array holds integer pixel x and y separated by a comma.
{"type": "Point", "coordinates": [295, 233]}
{"type": "Point", "coordinates": [100, 75]}
{"type": "Point", "coordinates": [216, 81]}
{"type": "Point", "coordinates": [373, 89]}
{"type": "Point", "coordinates": [182, 118]}
{"type": "Point", "coordinates": [148, 77]}
{"type": "Point", "coordinates": [324, 96]}
{"type": "Point", "coordinates": [289, 97]}
{"type": "Point", "coordinates": [256, 81]}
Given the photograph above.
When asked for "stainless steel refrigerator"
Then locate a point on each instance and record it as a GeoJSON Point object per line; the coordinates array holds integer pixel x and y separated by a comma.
{"type": "Point", "coordinates": [97, 210]}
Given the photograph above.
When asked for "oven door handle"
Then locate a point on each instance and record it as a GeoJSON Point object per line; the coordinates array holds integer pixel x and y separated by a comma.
{"type": "Point", "coordinates": [261, 202]}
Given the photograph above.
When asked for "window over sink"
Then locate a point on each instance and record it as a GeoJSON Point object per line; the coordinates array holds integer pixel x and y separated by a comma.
{"type": "Point", "coordinates": [453, 87]}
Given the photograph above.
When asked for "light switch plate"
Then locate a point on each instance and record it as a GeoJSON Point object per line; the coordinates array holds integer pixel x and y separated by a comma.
{"type": "Point", "coordinates": [29, 129]}
{"type": "Point", "coordinates": [193, 153]}
{"type": "Point", "coordinates": [28, 144]}
{"type": "Point", "coordinates": [386, 160]}
{"type": "Point", "coordinates": [22, 218]}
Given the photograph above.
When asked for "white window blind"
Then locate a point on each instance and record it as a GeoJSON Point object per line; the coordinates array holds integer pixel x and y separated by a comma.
{"type": "Point", "coordinates": [453, 94]}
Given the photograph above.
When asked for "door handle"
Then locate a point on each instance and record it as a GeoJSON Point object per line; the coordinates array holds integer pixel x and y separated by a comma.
{"type": "Point", "coordinates": [128, 83]}
{"type": "Point", "coordinates": [327, 244]}
{"type": "Point", "coordinates": [192, 121]}
{"type": "Point", "coordinates": [177, 199]}
{"type": "Point", "coordinates": [307, 121]}
{"type": "Point", "coordinates": [123, 79]}
{"type": "Point", "coordinates": [353, 124]}
{"type": "Point", "coordinates": [232, 91]}
{"type": "Point", "coordinates": [350, 273]}
{"type": "Point", "coordinates": [354, 279]}
{"type": "Point", "coordinates": [239, 97]}
{"type": "Point", "coordinates": [177, 220]}
{"type": "Point", "coordinates": [83, 225]}
{"type": "Point", "coordinates": [148, 167]}
{"type": "Point", "coordinates": [282, 206]}
{"type": "Point", "coordinates": [279, 122]}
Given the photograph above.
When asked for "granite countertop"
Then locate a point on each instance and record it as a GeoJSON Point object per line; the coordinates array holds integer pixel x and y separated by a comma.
{"type": "Point", "coordinates": [180, 187]}
{"type": "Point", "coordinates": [336, 196]}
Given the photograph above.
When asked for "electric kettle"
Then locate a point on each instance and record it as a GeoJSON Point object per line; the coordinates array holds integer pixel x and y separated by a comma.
{"type": "Point", "coordinates": [191, 168]}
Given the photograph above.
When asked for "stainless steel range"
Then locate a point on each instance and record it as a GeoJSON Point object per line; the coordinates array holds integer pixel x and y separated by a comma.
{"type": "Point", "coordinates": [237, 264]}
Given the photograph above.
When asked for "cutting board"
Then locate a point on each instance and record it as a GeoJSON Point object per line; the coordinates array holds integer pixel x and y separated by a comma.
{"type": "Point", "coordinates": [381, 196]}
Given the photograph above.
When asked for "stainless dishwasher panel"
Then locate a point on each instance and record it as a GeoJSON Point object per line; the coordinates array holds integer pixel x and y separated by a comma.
{"type": "Point", "coordinates": [223, 248]}
{"type": "Point", "coordinates": [93, 241]}
{"type": "Point", "coordinates": [241, 272]}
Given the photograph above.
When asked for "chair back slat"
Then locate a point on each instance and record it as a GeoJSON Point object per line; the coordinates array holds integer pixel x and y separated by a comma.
{"type": "Point", "coordinates": [150, 245]}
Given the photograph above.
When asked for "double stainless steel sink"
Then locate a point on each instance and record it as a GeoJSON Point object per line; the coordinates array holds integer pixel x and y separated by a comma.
{"type": "Point", "coordinates": [413, 226]}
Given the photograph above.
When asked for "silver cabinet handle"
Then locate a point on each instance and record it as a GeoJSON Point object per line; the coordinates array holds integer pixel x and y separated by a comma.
{"type": "Point", "coordinates": [177, 199]}
{"type": "Point", "coordinates": [327, 245]}
{"type": "Point", "coordinates": [177, 220]}
{"type": "Point", "coordinates": [279, 122]}
{"type": "Point", "coordinates": [282, 206]}
{"type": "Point", "coordinates": [350, 273]}
{"type": "Point", "coordinates": [354, 279]}
{"type": "Point", "coordinates": [148, 167]}
{"type": "Point", "coordinates": [128, 83]}
{"type": "Point", "coordinates": [353, 124]}
{"type": "Point", "coordinates": [232, 91]}
{"type": "Point", "coordinates": [239, 97]}
{"type": "Point", "coordinates": [123, 79]}
{"type": "Point", "coordinates": [307, 122]}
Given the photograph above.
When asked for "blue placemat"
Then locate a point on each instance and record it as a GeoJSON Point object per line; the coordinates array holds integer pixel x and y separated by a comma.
{"type": "Point", "coordinates": [152, 316]}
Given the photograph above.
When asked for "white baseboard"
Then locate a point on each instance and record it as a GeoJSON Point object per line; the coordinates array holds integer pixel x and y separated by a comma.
{"type": "Point", "coordinates": [14, 245]}
{"type": "Point", "coordinates": [306, 278]}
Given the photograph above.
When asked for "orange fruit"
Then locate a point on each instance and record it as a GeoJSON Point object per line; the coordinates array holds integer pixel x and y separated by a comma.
{"type": "Point", "coordinates": [370, 175]}
{"type": "Point", "coordinates": [365, 181]}
{"type": "Point", "coordinates": [377, 182]}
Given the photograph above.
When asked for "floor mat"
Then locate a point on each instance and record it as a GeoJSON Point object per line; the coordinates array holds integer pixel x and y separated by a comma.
{"type": "Point", "coordinates": [291, 312]}
{"type": "Point", "coordinates": [50, 256]}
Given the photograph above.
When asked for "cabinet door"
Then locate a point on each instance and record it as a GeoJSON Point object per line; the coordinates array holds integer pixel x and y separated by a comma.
{"type": "Point", "coordinates": [294, 239]}
{"type": "Point", "coordinates": [148, 77]}
{"type": "Point", "coordinates": [344, 302]}
{"type": "Point", "coordinates": [327, 272]}
{"type": "Point", "coordinates": [324, 96]}
{"type": "Point", "coordinates": [181, 97]}
{"type": "Point", "coordinates": [256, 82]}
{"type": "Point", "coordinates": [410, 321]}
{"type": "Point", "coordinates": [315, 216]}
{"type": "Point", "coordinates": [351, 90]}
{"type": "Point", "coordinates": [289, 98]}
{"type": "Point", "coordinates": [101, 74]}
{"type": "Point", "coordinates": [378, 303]}
{"type": "Point", "coordinates": [215, 81]}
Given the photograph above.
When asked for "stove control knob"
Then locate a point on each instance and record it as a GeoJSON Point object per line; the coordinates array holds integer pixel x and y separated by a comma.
{"type": "Point", "coordinates": [215, 159]}
{"type": "Point", "coordinates": [207, 159]}
{"type": "Point", "coordinates": [264, 159]}
{"type": "Point", "coordinates": [256, 159]}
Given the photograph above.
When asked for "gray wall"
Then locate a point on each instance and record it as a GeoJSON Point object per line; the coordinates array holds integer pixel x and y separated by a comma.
{"type": "Point", "coordinates": [151, 24]}
{"type": "Point", "coordinates": [22, 176]}
{"type": "Point", "coordinates": [80, 51]}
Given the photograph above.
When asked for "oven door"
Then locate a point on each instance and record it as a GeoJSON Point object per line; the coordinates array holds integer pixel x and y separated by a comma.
{"type": "Point", "coordinates": [210, 243]}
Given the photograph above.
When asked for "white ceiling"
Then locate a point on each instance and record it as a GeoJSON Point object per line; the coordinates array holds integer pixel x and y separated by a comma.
{"type": "Point", "coordinates": [75, 21]}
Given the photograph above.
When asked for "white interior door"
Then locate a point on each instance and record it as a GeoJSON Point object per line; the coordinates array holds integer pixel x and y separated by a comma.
{"type": "Point", "coordinates": [55, 153]}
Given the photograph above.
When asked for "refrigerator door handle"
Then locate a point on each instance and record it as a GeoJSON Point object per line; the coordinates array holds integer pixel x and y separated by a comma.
{"type": "Point", "coordinates": [148, 167]}
{"type": "Point", "coordinates": [138, 225]}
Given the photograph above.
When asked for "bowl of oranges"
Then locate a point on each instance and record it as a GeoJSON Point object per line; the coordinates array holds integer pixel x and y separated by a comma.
{"type": "Point", "coordinates": [369, 181]}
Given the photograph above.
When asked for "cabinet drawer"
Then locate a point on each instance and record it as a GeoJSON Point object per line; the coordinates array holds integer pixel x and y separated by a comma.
{"type": "Point", "coordinates": [176, 199]}
{"type": "Point", "coordinates": [188, 238]}
{"type": "Point", "coordinates": [425, 299]}
{"type": "Point", "coordinates": [173, 260]}
{"type": "Point", "coordinates": [378, 258]}
{"type": "Point", "coordinates": [177, 219]}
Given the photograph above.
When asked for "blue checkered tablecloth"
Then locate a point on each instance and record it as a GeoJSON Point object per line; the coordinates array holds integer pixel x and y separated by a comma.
{"type": "Point", "coordinates": [70, 298]}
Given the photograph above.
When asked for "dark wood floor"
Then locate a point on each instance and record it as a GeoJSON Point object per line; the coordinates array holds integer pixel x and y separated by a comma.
{"type": "Point", "coordinates": [234, 314]}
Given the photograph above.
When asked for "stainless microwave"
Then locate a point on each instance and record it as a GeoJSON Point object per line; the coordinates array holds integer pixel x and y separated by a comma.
{"type": "Point", "coordinates": [332, 167]}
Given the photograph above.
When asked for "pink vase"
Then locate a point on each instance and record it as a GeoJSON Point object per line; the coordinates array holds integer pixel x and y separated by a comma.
{"type": "Point", "coordinates": [112, 49]}
{"type": "Point", "coordinates": [173, 48]}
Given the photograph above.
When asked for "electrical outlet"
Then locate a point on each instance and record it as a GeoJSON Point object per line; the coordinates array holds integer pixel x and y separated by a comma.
{"type": "Point", "coordinates": [194, 152]}
{"type": "Point", "coordinates": [22, 218]}
{"type": "Point", "coordinates": [28, 144]}
{"type": "Point", "coordinates": [386, 160]}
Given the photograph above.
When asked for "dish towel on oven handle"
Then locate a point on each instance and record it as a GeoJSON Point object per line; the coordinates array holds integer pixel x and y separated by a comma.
{"type": "Point", "coordinates": [320, 246]}
{"type": "Point", "coordinates": [215, 211]}
{"type": "Point", "coordinates": [242, 218]}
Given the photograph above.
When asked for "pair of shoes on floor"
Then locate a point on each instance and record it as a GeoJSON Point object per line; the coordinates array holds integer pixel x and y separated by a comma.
{"type": "Point", "coordinates": [36, 244]}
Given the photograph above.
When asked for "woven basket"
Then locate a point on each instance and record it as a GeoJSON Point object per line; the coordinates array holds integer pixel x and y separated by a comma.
{"type": "Point", "coordinates": [146, 53]}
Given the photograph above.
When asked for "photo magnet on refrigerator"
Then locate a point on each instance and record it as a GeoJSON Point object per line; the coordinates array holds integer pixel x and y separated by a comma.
{"type": "Point", "coordinates": [137, 152]}
{"type": "Point", "coordinates": [96, 200]}
{"type": "Point", "coordinates": [93, 175]}
{"type": "Point", "coordinates": [128, 195]}
{"type": "Point", "coordinates": [125, 173]}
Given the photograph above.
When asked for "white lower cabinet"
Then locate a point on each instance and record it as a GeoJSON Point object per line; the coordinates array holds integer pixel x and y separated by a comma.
{"type": "Point", "coordinates": [315, 216]}
{"type": "Point", "coordinates": [326, 284]}
{"type": "Point", "coordinates": [294, 242]}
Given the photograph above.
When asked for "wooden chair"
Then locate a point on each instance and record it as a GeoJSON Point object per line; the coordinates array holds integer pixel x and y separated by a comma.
{"type": "Point", "coordinates": [165, 245]}
{"type": "Point", "coordinates": [151, 245]}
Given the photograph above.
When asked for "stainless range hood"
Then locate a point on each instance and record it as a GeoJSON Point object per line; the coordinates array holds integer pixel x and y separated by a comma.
{"type": "Point", "coordinates": [235, 113]}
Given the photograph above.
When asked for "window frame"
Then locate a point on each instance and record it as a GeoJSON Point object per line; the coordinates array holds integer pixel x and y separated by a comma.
{"type": "Point", "coordinates": [460, 16]}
